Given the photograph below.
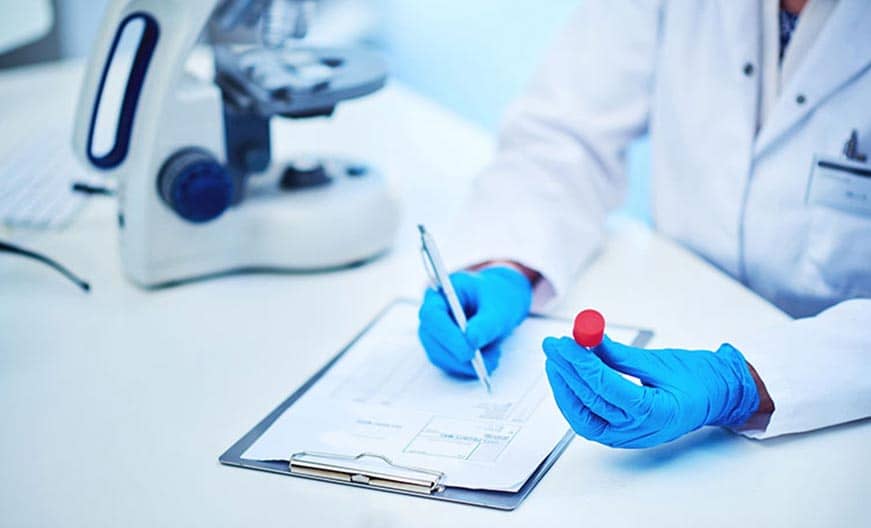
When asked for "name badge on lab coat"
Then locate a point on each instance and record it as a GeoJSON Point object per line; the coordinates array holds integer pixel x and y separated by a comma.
{"type": "Point", "coordinates": [840, 184]}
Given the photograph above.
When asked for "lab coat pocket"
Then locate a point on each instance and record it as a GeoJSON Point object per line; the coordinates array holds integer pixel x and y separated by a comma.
{"type": "Point", "coordinates": [839, 253]}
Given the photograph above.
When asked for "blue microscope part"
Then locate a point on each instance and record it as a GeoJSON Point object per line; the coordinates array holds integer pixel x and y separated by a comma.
{"type": "Point", "coordinates": [195, 185]}
{"type": "Point", "coordinates": [202, 191]}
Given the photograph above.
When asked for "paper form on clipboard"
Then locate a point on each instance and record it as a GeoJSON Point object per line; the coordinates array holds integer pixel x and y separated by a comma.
{"type": "Point", "coordinates": [383, 396]}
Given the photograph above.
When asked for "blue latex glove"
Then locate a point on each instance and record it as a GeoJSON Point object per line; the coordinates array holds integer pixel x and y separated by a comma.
{"type": "Point", "coordinates": [495, 301]}
{"type": "Point", "coordinates": [683, 390]}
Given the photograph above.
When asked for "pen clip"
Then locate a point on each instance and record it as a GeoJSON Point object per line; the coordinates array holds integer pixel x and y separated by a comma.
{"type": "Point", "coordinates": [430, 269]}
{"type": "Point", "coordinates": [428, 260]}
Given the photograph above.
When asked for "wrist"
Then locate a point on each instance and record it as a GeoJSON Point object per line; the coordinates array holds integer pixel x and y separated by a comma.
{"type": "Point", "coordinates": [531, 275]}
{"type": "Point", "coordinates": [741, 396]}
{"type": "Point", "coordinates": [759, 420]}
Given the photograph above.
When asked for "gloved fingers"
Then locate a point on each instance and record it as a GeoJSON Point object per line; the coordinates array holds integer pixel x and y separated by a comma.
{"type": "Point", "coordinates": [466, 286]}
{"type": "Point", "coordinates": [582, 420]}
{"type": "Point", "coordinates": [611, 414]}
{"type": "Point", "coordinates": [638, 362]}
{"type": "Point", "coordinates": [491, 354]}
{"type": "Point", "coordinates": [436, 321]}
{"type": "Point", "coordinates": [443, 358]}
{"type": "Point", "coordinates": [642, 439]}
{"type": "Point", "coordinates": [599, 377]}
{"type": "Point", "coordinates": [486, 326]}
{"type": "Point", "coordinates": [645, 433]}
{"type": "Point", "coordinates": [501, 305]}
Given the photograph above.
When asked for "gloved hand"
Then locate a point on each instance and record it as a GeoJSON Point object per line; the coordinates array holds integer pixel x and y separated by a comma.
{"type": "Point", "coordinates": [683, 390]}
{"type": "Point", "coordinates": [495, 301]}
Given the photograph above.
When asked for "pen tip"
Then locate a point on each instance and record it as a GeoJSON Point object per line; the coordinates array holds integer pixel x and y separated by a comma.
{"type": "Point", "coordinates": [421, 228]}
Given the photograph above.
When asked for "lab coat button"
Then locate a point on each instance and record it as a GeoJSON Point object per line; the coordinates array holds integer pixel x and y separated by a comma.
{"type": "Point", "coordinates": [748, 69]}
{"type": "Point", "coordinates": [800, 99]}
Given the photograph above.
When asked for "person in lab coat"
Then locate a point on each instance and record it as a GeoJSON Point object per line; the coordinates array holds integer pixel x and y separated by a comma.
{"type": "Point", "coordinates": [738, 97]}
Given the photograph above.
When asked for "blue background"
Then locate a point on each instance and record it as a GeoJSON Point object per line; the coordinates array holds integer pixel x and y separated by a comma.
{"type": "Point", "coordinates": [476, 56]}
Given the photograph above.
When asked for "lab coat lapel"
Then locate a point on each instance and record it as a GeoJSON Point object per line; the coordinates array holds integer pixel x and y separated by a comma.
{"type": "Point", "coordinates": [741, 24]}
{"type": "Point", "coordinates": [840, 52]}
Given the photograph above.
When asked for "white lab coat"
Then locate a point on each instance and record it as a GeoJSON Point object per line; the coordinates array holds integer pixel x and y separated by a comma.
{"type": "Point", "coordinates": [731, 193]}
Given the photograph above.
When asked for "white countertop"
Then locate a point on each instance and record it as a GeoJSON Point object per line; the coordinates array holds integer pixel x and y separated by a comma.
{"type": "Point", "coordinates": [116, 405]}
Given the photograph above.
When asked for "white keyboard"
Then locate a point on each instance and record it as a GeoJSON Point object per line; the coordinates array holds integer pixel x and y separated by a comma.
{"type": "Point", "coordinates": [36, 177]}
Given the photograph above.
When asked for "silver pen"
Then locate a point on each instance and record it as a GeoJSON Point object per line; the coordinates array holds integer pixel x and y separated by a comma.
{"type": "Point", "coordinates": [441, 281]}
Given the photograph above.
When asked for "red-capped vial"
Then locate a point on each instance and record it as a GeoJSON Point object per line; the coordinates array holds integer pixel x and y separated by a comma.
{"type": "Point", "coordinates": [589, 328]}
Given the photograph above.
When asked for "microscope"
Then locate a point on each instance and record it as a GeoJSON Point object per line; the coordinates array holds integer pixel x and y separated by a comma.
{"type": "Point", "coordinates": [199, 193]}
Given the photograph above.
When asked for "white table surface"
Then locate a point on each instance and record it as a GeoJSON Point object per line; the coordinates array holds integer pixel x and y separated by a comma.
{"type": "Point", "coordinates": [116, 405]}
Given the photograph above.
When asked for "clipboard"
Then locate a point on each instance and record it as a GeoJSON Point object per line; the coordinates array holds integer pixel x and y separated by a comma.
{"type": "Point", "coordinates": [380, 473]}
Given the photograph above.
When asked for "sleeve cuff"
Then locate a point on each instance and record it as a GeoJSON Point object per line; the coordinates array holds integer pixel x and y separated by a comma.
{"type": "Point", "coordinates": [543, 295]}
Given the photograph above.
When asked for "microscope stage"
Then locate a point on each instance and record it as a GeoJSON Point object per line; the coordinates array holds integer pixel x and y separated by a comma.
{"type": "Point", "coordinates": [296, 82]}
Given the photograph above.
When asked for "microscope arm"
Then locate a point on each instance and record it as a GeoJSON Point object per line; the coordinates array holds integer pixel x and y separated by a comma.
{"type": "Point", "coordinates": [139, 57]}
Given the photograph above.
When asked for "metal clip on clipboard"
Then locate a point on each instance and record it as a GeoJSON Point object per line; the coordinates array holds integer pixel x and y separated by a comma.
{"type": "Point", "coordinates": [339, 468]}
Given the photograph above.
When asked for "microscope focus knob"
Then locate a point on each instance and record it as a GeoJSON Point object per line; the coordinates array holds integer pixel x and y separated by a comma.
{"type": "Point", "coordinates": [195, 185]}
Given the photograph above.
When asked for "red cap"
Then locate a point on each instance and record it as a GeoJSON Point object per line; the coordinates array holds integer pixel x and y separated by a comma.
{"type": "Point", "coordinates": [589, 328]}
